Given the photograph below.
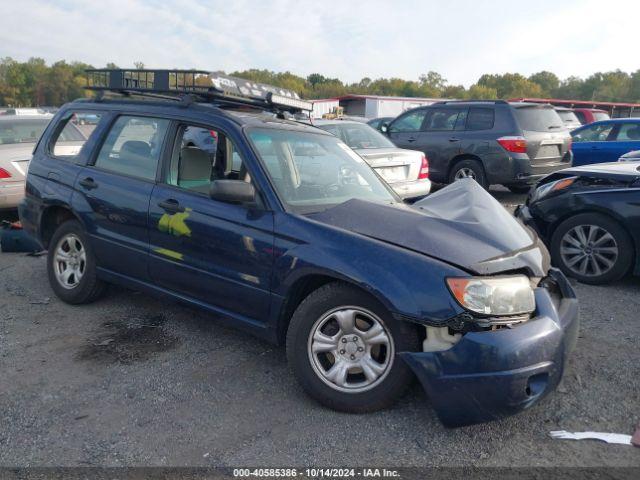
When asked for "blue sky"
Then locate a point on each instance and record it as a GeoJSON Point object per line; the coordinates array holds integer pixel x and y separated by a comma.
{"type": "Point", "coordinates": [349, 39]}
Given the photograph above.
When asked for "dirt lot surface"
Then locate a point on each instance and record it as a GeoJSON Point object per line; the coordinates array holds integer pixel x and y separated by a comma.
{"type": "Point", "coordinates": [131, 380]}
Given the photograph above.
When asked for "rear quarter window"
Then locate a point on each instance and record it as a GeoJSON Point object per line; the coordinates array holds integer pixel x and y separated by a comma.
{"type": "Point", "coordinates": [538, 119]}
{"type": "Point", "coordinates": [72, 133]}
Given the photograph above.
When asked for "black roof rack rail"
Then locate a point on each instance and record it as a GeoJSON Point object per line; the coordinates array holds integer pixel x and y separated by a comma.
{"type": "Point", "coordinates": [497, 102]}
{"type": "Point", "coordinates": [195, 85]}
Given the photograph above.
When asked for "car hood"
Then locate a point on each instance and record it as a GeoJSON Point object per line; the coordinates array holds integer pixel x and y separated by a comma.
{"type": "Point", "coordinates": [460, 224]}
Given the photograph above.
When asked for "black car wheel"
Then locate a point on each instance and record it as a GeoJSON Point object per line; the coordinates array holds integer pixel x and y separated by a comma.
{"type": "Point", "coordinates": [71, 265]}
{"type": "Point", "coordinates": [593, 248]}
{"type": "Point", "coordinates": [342, 345]}
{"type": "Point", "coordinates": [469, 169]}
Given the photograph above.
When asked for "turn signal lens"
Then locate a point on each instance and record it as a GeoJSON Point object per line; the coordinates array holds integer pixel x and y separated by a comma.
{"type": "Point", "coordinates": [494, 295]}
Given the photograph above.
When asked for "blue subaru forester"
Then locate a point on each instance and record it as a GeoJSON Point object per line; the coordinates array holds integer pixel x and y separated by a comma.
{"type": "Point", "coordinates": [202, 188]}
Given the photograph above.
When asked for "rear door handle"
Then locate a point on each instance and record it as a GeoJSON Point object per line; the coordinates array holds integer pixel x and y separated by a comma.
{"type": "Point", "coordinates": [411, 139]}
{"type": "Point", "coordinates": [454, 139]}
{"type": "Point", "coordinates": [89, 183]}
{"type": "Point", "coordinates": [171, 205]}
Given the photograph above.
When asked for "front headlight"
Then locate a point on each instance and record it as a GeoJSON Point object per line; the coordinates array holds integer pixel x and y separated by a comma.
{"type": "Point", "coordinates": [511, 295]}
{"type": "Point", "coordinates": [550, 187]}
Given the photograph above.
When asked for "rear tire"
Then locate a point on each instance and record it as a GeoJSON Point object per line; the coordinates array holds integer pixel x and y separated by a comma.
{"type": "Point", "coordinates": [326, 355]}
{"type": "Point", "coordinates": [469, 168]}
{"type": "Point", "coordinates": [593, 248]}
{"type": "Point", "coordinates": [71, 265]}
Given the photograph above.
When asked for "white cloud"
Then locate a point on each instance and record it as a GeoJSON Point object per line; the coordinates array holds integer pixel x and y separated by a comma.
{"type": "Point", "coordinates": [461, 39]}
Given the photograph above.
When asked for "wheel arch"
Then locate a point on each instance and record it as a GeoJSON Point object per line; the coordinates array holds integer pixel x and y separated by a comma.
{"type": "Point", "coordinates": [464, 156]}
{"type": "Point", "coordinates": [51, 218]}
{"type": "Point", "coordinates": [302, 288]}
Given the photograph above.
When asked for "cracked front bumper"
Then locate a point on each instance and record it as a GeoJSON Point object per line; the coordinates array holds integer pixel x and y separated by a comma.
{"type": "Point", "coordinates": [492, 374]}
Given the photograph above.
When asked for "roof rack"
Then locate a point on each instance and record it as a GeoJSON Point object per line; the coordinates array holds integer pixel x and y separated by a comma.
{"type": "Point", "coordinates": [497, 102]}
{"type": "Point", "coordinates": [198, 85]}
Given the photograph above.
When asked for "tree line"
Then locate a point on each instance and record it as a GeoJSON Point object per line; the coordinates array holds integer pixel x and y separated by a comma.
{"type": "Point", "coordinates": [35, 83]}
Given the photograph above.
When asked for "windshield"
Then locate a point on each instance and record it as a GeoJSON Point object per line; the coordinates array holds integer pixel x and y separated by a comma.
{"type": "Point", "coordinates": [313, 172]}
{"type": "Point", "coordinates": [358, 135]}
{"type": "Point", "coordinates": [538, 119]}
{"type": "Point", "coordinates": [21, 131]}
{"type": "Point", "coordinates": [601, 116]}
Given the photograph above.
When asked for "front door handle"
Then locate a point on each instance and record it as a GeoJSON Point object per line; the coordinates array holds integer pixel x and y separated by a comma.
{"type": "Point", "coordinates": [411, 139]}
{"type": "Point", "coordinates": [171, 205]}
{"type": "Point", "coordinates": [454, 139]}
{"type": "Point", "coordinates": [88, 183]}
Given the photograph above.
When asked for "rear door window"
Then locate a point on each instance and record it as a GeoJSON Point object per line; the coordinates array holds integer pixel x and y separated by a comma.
{"type": "Point", "coordinates": [628, 132]}
{"type": "Point", "coordinates": [480, 118]}
{"type": "Point", "coordinates": [538, 119]}
{"type": "Point", "coordinates": [133, 146]}
{"type": "Point", "coordinates": [73, 133]}
{"type": "Point", "coordinates": [441, 119]}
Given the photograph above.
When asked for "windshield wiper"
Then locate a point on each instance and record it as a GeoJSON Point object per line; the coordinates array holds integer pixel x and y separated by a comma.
{"type": "Point", "coordinates": [555, 126]}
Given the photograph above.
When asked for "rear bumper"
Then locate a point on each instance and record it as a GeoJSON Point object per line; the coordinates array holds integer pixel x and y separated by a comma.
{"type": "Point", "coordinates": [518, 169]}
{"type": "Point", "coordinates": [11, 194]}
{"type": "Point", "coordinates": [492, 374]}
{"type": "Point", "coordinates": [412, 189]}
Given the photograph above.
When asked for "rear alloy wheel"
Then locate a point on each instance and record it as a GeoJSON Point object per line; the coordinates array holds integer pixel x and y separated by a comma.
{"type": "Point", "coordinates": [592, 248]}
{"type": "Point", "coordinates": [71, 265]}
{"type": "Point", "coordinates": [469, 169]}
{"type": "Point", "coordinates": [342, 346]}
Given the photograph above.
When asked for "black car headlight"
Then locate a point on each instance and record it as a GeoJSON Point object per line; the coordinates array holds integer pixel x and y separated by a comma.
{"type": "Point", "coordinates": [509, 295]}
{"type": "Point", "coordinates": [551, 187]}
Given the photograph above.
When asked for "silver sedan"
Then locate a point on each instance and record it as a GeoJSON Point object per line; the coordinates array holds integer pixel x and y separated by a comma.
{"type": "Point", "coordinates": [406, 171]}
{"type": "Point", "coordinates": [18, 136]}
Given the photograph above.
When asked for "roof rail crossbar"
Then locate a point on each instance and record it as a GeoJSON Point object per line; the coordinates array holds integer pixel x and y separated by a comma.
{"type": "Point", "coordinates": [204, 86]}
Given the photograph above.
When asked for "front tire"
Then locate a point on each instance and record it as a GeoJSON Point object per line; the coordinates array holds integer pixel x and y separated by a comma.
{"type": "Point", "coordinates": [592, 248]}
{"type": "Point", "coordinates": [71, 265]}
{"type": "Point", "coordinates": [342, 346]}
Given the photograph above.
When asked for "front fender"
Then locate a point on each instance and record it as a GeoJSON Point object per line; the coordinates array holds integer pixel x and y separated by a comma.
{"type": "Point", "coordinates": [408, 284]}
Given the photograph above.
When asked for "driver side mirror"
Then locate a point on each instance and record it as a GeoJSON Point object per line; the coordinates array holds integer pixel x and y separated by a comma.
{"type": "Point", "coordinates": [232, 191]}
{"type": "Point", "coordinates": [384, 128]}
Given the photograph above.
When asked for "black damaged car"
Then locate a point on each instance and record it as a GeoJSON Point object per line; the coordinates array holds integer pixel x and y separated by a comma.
{"type": "Point", "coordinates": [589, 217]}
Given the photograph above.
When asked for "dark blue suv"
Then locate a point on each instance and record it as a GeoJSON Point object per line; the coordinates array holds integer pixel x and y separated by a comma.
{"type": "Point", "coordinates": [280, 229]}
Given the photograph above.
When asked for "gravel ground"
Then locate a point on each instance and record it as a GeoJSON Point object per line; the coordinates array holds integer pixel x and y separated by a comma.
{"type": "Point", "coordinates": [131, 380]}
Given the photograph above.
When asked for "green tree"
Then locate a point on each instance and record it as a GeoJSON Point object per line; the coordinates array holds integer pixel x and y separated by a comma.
{"type": "Point", "coordinates": [548, 81]}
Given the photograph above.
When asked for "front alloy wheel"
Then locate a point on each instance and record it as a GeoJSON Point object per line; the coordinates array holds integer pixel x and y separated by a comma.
{"type": "Point", "coordinates": [592, 247]}
{"type": "Point", "coordinates": [350, 349]}
{"type": "Point", "coordinates": [342, 345]}
{"type": "Point", "coordinates": [589, 250]}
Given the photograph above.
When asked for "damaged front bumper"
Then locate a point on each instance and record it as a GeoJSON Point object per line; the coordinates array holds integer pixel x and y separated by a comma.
{"type": "Point", "coordinates": [492, 374]}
